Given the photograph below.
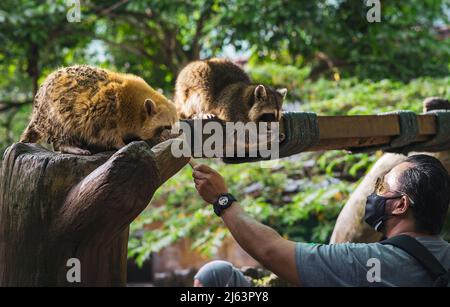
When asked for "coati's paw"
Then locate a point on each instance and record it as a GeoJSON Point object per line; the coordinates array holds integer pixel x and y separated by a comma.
{"type": "Point", "coordinates": [74, 150]}
{"type": "Point", "coordinates": [203, 116]}
{"type": "Point", "coordinates": [209, 116]}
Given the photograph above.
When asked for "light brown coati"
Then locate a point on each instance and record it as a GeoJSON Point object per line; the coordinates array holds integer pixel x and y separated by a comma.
{"type": "Point", "coordinates": [82, 109]}
{"type": "Point", "coordinates": [219, 88]}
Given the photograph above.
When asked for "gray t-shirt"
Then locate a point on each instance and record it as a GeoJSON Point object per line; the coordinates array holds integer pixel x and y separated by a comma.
{"type": "Point", "coordinates": [354, 264]}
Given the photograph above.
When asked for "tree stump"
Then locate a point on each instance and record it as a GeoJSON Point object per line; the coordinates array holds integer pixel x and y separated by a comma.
{"type": "Point", "coordinates": [54, 207]}
{"type": "Point", "coordinates": [350, 225]}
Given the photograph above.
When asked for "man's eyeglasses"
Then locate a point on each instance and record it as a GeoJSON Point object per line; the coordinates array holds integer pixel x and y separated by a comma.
{"type": "Point", "coordinates": [381, 188]}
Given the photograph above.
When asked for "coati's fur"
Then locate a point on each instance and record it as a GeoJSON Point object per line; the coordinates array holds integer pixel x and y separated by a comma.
{"type": "Point", "coordinates": [219, 88]}
{"type": "Point", "coordinates": [81, 108]}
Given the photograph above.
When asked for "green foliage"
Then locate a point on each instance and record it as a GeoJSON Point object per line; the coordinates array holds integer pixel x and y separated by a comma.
{"type": "Point", "coordinates": [350, 96]}
{"type": "Point", "coordinates": [280, 75]}
{"type": "Point", "coordinates": [335, 36]}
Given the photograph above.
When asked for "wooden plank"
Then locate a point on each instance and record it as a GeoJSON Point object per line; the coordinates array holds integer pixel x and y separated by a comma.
{"type": "Point", "coordinates": [340, 132]}
{"type": "Point", "coordinates": [343, 132]}
{"type": "Point", "coordinates": [362, 126]}
{"type": "Point", "coordinates": [346, 143]}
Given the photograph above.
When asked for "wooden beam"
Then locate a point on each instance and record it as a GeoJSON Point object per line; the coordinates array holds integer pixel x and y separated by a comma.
{"type": "Point", "coordinates": [360, 126]}
{"type": "Point", "coordinates": [344, 132]}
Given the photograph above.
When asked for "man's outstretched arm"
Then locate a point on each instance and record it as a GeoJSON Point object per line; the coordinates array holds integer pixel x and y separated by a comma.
{"type": "Point", "coordinates": [259, 241]}
{"type": "Point", "coordinates": [262, 243]}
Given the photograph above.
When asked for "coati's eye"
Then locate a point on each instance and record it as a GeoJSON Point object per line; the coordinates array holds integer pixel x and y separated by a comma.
{"type": "Point", "coordinates": [167, 127]}
{"type": "Point", "coordinates": [267, 117]}
{"type": "Point", "coordinates": [251, 101]}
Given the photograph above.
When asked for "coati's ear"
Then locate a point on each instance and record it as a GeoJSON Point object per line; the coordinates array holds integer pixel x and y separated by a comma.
{"type": "Point", "coordinates": [260, 92]}
{"type": "Point", "coordinates": [149, 107]}
{"type": "Point", "coordinates": [282, 92]}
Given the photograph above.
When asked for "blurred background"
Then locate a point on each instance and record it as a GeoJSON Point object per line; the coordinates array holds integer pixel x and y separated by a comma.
{"type": "Point", "coordinates": [326, 52]}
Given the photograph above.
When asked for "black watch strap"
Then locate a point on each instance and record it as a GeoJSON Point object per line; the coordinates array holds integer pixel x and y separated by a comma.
{"type": "Point", "coordinates": [223, 202]}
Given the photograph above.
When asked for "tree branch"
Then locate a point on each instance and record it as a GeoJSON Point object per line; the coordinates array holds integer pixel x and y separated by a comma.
{"type": "Point", "coordinates": [163, 36]}
{"type": "Point", "coordinates": [114, 6]}
{"type": "Point", "coordinates": [195, 46]}
{"type": "Point", "coordinates": [139, 51]}
{"type": "Point", "coordinates": [7, 105]}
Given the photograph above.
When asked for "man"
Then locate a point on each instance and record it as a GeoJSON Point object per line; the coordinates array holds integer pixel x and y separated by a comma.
{"type": "Point", "coordinates": [412, 199]}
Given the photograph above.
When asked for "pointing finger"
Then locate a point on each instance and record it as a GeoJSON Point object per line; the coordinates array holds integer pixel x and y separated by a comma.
{"type": "Point", "coordinates": [204, 168]}
{"type": "Point", "coordinates": [199, 175]}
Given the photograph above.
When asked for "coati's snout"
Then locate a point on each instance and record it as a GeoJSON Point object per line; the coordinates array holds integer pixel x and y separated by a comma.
{"type": "Point", "coordinates": [160, 116]}
{"type": "Point", "coordinates": [267, 104]}
{"type": "Point", "coordinates": [268, 118]}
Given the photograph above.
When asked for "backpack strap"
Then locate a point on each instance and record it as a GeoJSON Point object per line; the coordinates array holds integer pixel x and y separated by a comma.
{"type": "Point", "coordinates": [418, 251]}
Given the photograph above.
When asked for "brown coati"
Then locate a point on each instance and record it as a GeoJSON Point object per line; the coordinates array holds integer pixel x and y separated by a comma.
{"type": "Point", "coordinates": [219, 88]}
{"type": "Point", "coordinates": [80, 109]}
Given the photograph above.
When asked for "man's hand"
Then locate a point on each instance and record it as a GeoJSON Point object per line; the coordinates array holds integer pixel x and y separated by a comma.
{"type": "Point", "coordinates": [208, 183]}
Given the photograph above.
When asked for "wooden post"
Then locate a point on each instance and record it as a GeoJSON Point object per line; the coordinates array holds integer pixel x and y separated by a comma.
{"type": "Point", "coordinates": [350, 226]}
{"type": "Point", "coordinates": [54, 207]}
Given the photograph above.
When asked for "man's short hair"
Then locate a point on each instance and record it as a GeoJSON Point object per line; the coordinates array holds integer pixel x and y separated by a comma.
{"type": "Point", "coordinates": [427, 182]}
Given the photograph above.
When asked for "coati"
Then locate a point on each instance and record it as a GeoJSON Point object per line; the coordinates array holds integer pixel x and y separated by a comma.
{"type": "Point", "coordinates": [219, 88]}
{"type": "Point", "coordinates": [82, 109]}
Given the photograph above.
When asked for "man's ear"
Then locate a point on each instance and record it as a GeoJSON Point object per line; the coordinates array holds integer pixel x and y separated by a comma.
{"type": "Point", "coordinates": [260, 92]}
{"type": "Point", "coordinates": [149, 107]}
{"type": "Point", "coordinates": [282, 92]}
{"type": "Point", "coordinates": [401, 206]}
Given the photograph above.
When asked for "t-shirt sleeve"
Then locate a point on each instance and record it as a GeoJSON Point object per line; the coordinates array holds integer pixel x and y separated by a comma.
{"type": "Point", "coordinates": [335, 265]}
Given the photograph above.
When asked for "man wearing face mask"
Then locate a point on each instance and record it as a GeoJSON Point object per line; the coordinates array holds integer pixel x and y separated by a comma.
{"type": "Point", "coordinates": [409, 206]}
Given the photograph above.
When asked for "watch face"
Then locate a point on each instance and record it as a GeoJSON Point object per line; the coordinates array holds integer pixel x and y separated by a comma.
{"type": "Point", "coordinates": [223, 201]}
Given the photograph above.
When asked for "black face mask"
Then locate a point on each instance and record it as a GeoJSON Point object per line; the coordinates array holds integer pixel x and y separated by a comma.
{"type": "Point", "coordinates": [375, 214]}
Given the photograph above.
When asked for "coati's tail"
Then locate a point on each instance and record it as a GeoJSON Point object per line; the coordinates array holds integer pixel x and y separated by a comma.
{"type": "Point", "coordinates": [30, 135]}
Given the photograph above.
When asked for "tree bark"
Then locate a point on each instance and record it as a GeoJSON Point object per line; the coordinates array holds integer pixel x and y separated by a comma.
{"type": "Point", "coordinates": [350, 225]}
{"type": "Point", "coordinates": [54, 207]}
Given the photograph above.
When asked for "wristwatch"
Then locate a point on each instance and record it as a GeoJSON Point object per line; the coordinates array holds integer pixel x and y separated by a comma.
{"type": "Point", "coordinates": [223, 202]}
